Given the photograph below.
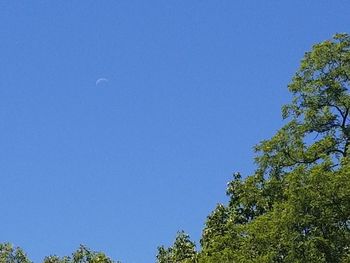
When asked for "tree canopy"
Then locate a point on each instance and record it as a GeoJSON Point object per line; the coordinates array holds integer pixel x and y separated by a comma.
{"type": "Point", "coordinates": [9, 254]}
{"type": "Point", "coordinates": [296, 206]}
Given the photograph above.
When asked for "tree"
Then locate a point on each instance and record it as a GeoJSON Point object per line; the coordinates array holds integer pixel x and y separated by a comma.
{"type": "Point", "coordinates": [9, 254]}
{"type": "Point", "coordinates": [82, 255]}
{"type": "Point", "coordinates": [296, 206]}
{"type": "Point", "coordinates": [182, 251]}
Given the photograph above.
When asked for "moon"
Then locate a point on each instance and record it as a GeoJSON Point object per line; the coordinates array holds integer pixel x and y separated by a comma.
{"type": "Point", "coordinates": [101, 80]}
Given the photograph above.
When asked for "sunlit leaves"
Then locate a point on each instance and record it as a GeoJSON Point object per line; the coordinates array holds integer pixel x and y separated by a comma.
{"type": "Point", "coordinates": [82, 255]}
{"type": "Point", "coordinates": [296, 206]}
{"type": "Point", "coordinates": [9, 254]}
{"type": "Point", "coordinates": [183, 250]}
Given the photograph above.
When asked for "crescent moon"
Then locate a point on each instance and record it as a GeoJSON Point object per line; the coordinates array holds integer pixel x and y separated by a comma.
{"type": "Point", "coordinates": [98, 81]}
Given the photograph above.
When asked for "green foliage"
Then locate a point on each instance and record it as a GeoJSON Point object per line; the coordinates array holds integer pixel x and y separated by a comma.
{"type": "Point", "coordinates": [310, 225]}
{"type": "Point", "coordinates": [182, 251]}
{"type": "Point", "coordinates": [296, 206]}
{"type": "Point", "coordinates": [9, 254]}
{"type": "Point", "coordinates": [82, 255]}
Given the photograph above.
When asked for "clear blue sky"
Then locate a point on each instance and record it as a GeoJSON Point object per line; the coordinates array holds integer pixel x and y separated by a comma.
{"type": "Point", "coordinates": [122, 165]}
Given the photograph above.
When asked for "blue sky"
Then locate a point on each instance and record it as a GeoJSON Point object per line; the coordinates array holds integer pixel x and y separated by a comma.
{"type": "Point", "coordinates": [122, 165]}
